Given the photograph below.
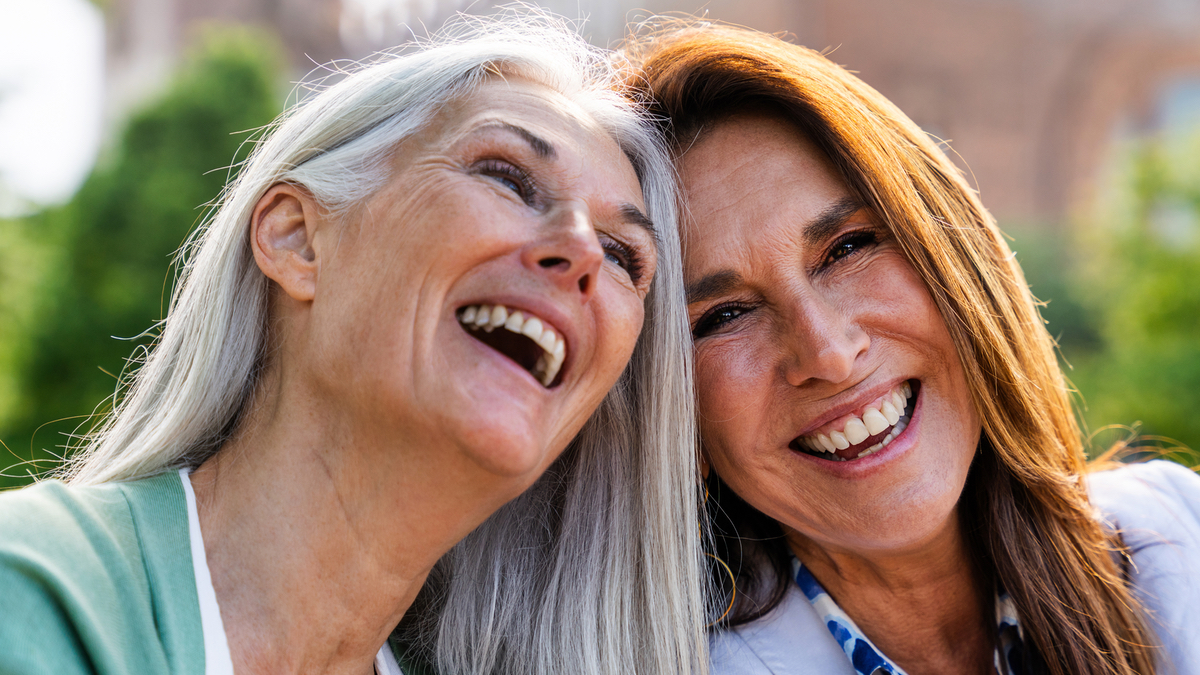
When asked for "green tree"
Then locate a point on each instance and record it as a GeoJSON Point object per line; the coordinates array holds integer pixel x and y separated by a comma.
{"type": "Point", "coordinates": [1139, 273]}
{"type": "Point", "coordinates": [103, 259]}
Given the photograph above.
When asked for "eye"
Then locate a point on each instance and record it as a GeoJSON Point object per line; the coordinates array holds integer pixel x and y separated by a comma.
{"type": "Point", "coordinates": [511, 177]}
{"type": "Point", "coordinates": [626, 257]}
{"type": "Point", "coordinates": [716, 318]}
{"type": "Point", "coordinates": [850, 244]}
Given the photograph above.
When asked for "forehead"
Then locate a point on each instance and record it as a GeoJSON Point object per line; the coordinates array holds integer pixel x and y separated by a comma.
{"type": "Point", "coordinates": [568, 140]}
{"type": "Point", "coordinates": [546, 113]}
{"type": "Point", "coordinates": [753, 179]}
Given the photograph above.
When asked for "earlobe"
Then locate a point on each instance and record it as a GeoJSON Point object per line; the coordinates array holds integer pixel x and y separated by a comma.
{"type": "Point", "coordinates": [282, 231]}
{"type": "Point", "coordinates": [705, 469]}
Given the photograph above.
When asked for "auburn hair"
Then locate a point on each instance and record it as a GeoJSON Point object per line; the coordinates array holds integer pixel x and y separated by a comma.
{"type": "Point", "coordinates": [1025, 508]}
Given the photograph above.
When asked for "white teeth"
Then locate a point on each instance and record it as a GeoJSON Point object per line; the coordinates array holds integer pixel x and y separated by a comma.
{"type": "Point", "coordinates": [871, 449]}
{"type": "Point", "coordinates": [856, 431]}
{"type": "Point", "coordinates": [548, 340]}
{"type": "Point", "coordinates": [532, 329]}
{"type": "Point", "coordinates": [483, 316]}
{"type": "Point", "coordinates": [826, 443]}
{"type": "Point", "coordinates": [514, 322]}
{"type": "Point", "coordinates": [875, 421]}
{"type": "Point", "coordinates": [889, 413]}
{"type": "Point", "coordinates": [499, 316]}
{"type": "Point", "coordinates": [554, 348]}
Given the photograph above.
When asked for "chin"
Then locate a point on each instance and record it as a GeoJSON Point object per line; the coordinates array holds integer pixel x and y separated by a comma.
{"type": "Point", "coordinates": [913, 523]}
{"type": "Point", "coordinates": [507, 451]}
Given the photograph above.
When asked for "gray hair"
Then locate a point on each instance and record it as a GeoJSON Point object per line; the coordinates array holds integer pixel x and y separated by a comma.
{"type": "Point", "coordinates": [596, 568]}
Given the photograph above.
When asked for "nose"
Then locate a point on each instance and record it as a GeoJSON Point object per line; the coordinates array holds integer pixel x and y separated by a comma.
{"type": "Point", "coordinates": [568, 252]}
{"type": "Point", "coordinates": [823, 343]}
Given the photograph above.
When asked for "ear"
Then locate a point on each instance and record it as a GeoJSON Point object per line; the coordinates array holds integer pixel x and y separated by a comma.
{"type": "Point", "coordinates": [282, 231]}
{"type": "Point", "coordinates": [705, 469]}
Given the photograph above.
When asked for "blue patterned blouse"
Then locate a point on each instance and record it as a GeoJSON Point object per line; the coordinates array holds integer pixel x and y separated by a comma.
{"type": "Point", "coordinates": [866, 657]}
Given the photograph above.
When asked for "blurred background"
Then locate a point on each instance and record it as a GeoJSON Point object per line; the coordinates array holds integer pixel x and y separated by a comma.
{"type": "Point", "coordinates": [1078, 121]}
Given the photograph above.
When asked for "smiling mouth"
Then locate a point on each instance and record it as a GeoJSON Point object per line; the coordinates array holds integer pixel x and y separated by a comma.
{"type": "Point", "coordinates": [521, 336]}
{"type": "Point", "coordinates": [867, 433]}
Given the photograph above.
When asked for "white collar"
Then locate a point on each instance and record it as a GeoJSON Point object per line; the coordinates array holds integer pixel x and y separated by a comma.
{"type": "Point", "coordinates": [216, 647]}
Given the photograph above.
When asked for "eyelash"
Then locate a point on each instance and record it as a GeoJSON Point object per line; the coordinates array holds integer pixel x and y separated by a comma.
{"type": "Point", "coordinates": [710, 322]}
{"type": "Point", "coordinates": [627, 258]}
{"type": "Point", "coordinates": [518, 179]}
{"type": "Point", "coordinates": [846, 246]}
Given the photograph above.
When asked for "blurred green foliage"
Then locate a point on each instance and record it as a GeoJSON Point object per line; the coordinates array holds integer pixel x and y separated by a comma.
{"type": "Point", "coordinates": [75, 276]}
{"type": "Point", "coordinates": [1123, 286]}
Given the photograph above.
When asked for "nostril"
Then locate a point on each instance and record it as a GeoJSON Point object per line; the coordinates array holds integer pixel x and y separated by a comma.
{"type": "Point", "coordinates": [552, 262]}
{"type": "Point", "coordinates": [584, 282]}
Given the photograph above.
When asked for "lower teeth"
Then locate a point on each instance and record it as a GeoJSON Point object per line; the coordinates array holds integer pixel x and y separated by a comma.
{"type": "Point", "coordinates": [896, 431]}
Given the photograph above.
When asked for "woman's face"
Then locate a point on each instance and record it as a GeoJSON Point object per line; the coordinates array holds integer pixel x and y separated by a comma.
{"type": "Point", "coordinates": [488, 297]}
{"type": "Point", "coordinates": [813, 331]}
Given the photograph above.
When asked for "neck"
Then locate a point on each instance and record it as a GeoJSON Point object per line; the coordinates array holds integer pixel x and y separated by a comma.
{"type": "Point", "coordinates": [923, 607]}
{"type": "Point", "coordinates": [319, 538]}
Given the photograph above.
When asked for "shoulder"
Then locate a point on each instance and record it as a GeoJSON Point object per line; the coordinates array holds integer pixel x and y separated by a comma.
{"type": "Point", "coordinates": [53, 532]}
{"type": "Point", "coordinates": [789, 640]}
{"type": "Point", "coordinates": [1155, 507]}
{"type": "Point", "coordinates": [1150, 503]}
{"type": "Point", "coordinates": [78, 590]}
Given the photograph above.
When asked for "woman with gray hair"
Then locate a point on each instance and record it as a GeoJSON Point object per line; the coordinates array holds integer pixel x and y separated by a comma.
{"type": "Point", "coordinates": [391, 351]}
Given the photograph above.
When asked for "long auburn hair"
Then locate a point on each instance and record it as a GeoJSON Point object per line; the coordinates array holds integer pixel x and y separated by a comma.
{"type": "Point", "coordinates": [1024, 509]}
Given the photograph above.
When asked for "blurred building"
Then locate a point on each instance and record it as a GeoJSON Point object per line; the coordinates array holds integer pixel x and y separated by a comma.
{"type": "Point", "coordinates": [1030, 92]}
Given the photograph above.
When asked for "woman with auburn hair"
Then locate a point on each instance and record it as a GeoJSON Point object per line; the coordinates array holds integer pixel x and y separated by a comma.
{"type": "Point", "coordinates": [431, 344]}
{"type": "Point", "coordinates": [897, 481]}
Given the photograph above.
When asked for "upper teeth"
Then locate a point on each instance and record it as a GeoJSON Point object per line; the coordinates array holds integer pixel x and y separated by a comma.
{"type": "Point", "coordinates": [491, 317]}
{"type": "Point", "coordinates": [874, 420]}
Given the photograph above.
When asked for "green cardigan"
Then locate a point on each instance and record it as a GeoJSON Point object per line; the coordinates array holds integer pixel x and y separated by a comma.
{"type": "Point", "coordinates": [98, 579]}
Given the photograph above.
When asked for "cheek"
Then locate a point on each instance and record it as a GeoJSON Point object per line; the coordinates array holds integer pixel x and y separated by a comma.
{"type": "Point", "coordinates": [731, 376]}
{"type": "Point", "coordinates": [618, 320]}
{"type": "Point", "coordinates": [733, 389]}
{"type": "Point", "coordinates": [716, 382]}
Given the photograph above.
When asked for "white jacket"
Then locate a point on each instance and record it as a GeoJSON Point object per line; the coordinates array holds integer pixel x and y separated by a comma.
{"type": "Point", "coordinates": [1155, 505]}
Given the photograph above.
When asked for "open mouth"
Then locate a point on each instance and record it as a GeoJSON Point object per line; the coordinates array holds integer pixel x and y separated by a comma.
{"type": "Point", "coordinates": [866, 433]}
{"type": "Point", "coordinates": [521, 336]}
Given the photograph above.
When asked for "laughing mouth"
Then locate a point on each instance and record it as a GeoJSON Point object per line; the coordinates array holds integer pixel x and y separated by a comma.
{"type": "Point", "coordinates": [522, 337]}
{"type": "Point", "coordinates": [867, 433]}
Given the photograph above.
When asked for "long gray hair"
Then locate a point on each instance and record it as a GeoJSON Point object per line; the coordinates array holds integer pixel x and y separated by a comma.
{"type": "Point", "coordinates": [595, 569]}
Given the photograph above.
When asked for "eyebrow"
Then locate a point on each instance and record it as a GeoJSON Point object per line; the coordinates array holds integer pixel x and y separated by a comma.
{"type": "Point", "coordinates": [632, 215]}
{"type": "Point", "coordinates": [834, 216]}
{"type": "Point", "coordinates": [543, 148]}
{"type": "Point", "coordinates": [713, 285]}
{"type": "Point", "coordinates": [825, 224]}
